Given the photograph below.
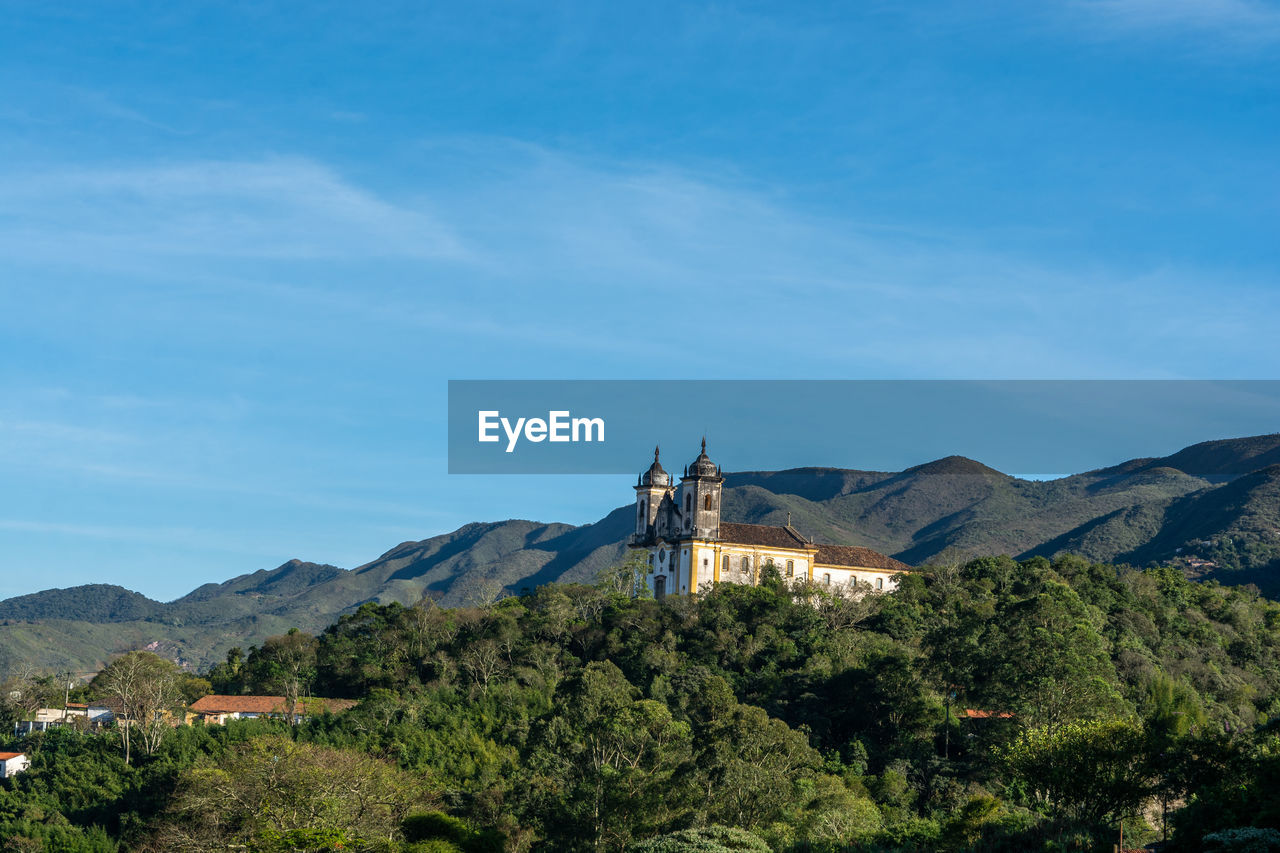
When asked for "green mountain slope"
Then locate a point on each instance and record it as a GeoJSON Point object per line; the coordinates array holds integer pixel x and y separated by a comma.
{"type": "Point", "coordinates": [1212, 508]}
{"type": "Point", "coordinates": [97, 602]}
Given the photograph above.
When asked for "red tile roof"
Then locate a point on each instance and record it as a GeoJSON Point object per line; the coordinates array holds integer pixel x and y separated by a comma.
{"type": "Point", "coordinates": [6, 756]}
{"type": "Point", "coordinates": [971, 714]}
{"type": "Point", "coordinates": [775, 536]}
{"type": "Point", "coordinates": [267, 705]}
{"type": "Point", "coordinates": [857, 557]}
{"type": "Point", "coordinates": [763, 535]}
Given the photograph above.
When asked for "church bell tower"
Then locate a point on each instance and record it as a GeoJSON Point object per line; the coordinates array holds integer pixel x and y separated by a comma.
{"type": "Point", "coordinates": [700, 498]}
{"type": "Point", "coordinates": [652, 486]}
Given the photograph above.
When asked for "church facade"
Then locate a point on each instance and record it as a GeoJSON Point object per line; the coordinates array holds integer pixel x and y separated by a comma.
{"type": "Point", "coordinates": [689, 548]}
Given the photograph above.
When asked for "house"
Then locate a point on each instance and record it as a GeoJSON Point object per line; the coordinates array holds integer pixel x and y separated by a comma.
{"type": "Point", "coordinates": [689, 547]}
{"type": "Point", "coordinates": [12, 763]}
{"type": "Point", "coordinates": [105, 711]}
{"type": "Point", "coordinates": [218, 709]}
{"type": "Point", "coordinates": [47, 718]}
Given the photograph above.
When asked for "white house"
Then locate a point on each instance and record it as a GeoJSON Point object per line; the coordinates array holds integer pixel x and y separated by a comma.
{"type": "Point", "coordinates": [12, 763]}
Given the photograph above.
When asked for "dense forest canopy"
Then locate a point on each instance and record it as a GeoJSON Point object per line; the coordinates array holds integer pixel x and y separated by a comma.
{"type": "Point", "coordinates": [994, 705]}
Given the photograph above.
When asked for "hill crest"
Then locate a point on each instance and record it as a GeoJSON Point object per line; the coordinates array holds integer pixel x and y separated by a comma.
{"type": "Point", "coordinates": [1139, 511]}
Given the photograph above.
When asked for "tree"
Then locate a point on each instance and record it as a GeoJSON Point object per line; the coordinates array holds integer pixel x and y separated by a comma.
{"type": "Point", "coordinates": [193, 688]}
{"type": "Point", "coordinates": [28, 691]}
{"type": "Point", "coordinates": [1046, 660]}
{"type": "Point", "coordinates": [628, 578]}
{"type": "Point", "coordinates": [272, 794]}
{"type": "Point", "coordinates": [228, 677]}
{"type": "Point", "coordinates": [1091, 771]}
{"type": "Point", "coordinates": [610, 761]}
{"type": "Point", "coordinates": [709, 839]}
{"type": "Point", "coordinates": [145, 689]}
{"type": "Point", "coordinates": [285, 663]}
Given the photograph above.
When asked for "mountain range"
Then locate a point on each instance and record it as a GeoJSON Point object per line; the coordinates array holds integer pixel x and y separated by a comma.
{"type": "Point", "coordinates": [1213, 509]}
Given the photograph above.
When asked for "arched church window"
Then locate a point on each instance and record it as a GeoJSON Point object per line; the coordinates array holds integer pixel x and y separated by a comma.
{"type": "Point", "coordinates": [879, 583]}
{"type": "Point", "coordinates": [706, 504]}
{"type": "Point", "coordinates": [746, 565]}
{"type": "Point", "coordinates": [791, 568]}
{"type": "Point", "coordinates": [826, 579]}
{"type": "Point", "coordinates": [688, 504]}
{"type": "Point", "coordinates": [724, 566]}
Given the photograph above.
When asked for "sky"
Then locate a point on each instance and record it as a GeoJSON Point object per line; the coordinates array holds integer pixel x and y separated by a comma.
{"type": "Point", "coordinates": [244, 246]}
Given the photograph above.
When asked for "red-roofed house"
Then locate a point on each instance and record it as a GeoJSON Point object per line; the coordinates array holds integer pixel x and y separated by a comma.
{"type": "Point", "coordinates": [12, 763]}
{"type": "Point", "coordinates": [219, 709]}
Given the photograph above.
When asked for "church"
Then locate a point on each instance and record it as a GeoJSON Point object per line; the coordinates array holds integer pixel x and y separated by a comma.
{"type": "Point", "coordinates": [690, 548]}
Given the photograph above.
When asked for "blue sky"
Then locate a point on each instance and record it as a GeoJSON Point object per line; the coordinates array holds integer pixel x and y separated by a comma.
{"type": "Point", "coordinates": [243, 246]}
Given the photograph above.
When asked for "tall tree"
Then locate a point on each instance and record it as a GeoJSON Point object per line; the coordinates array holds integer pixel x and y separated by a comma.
{"type": "Point", "coordinates": [285, 663]}
{"type": "Point", "coordinates": [145, 690]}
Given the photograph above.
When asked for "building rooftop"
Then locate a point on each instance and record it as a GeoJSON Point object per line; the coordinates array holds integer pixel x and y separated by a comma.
{"type": "Point", "coordinates": [855, 556]}
{"type": "Point", "coordinates": [217, 704]}
{"type": "Point", "coordinates": [762, 535]}
{"type": "Point", "coordinates": [776, 536]}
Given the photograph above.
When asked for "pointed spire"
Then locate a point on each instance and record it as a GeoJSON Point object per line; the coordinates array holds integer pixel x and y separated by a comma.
{"type": "Point", "coordinates": [704, 444]}
{"type": "Point", "coordinates": [655, 476]}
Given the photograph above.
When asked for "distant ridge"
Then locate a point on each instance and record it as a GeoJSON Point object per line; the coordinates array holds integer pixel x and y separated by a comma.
{"type": "Point", "coordinates": [956, 466]}
{"type": "Point", "coordinates": [1225, 459]}
{"type": "Point", "coordinates": [98, 602]}
{"type": "Point", "coordinates": [1212, 509]}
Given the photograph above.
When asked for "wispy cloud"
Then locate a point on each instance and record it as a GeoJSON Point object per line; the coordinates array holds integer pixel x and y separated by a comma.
{"type": "Point", "coordinates": [1241, 21]}
{"type": "Point", "coordinates": [182, 537]}
{"type": "Point", "coordinates": [108, 106]}
{"type": "Point", "coordinates": [283, 208]}
{"type": "Point", "coordinates": [517, 245]}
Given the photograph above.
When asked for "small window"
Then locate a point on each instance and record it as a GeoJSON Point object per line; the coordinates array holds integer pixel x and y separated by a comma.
{"type": "Point", "coordinates": [725, 564]}
{"type": "Point", "coordinates": [706, 504]}
{"type": "Point", "coordinates": [791, 568]}
{"type": "Point", "coordinates": [705, 562]}
{"type": "Point", "coordinates": [853, 580]}
{"type": "Point", "coordinates": [826, 579]}
{"type": "Point", "coordinates": [879, 583]}
{"type": "Point", "coordinates": [746, 565]}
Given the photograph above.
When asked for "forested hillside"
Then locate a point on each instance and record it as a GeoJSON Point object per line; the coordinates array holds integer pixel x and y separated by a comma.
{"type": "Point", "coordinates": [1212, 510]}
{"type": "Point", "coordinates": [993, 705]}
